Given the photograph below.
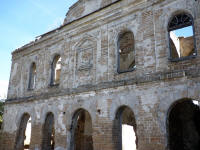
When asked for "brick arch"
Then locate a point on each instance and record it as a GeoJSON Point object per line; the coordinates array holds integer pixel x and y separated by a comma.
{"type": "Point", "coordinates": [81, 131]}
{"type": "Point", "coordinates": [86, 37]}
{"type": "Point", "coordinates": [176, 12]}
{"type": "Point", "coordinates": [183, 125]}
{"type": "Point", "coordinates": [19, 142]}
{"type": "Point", "coordinates": [130, 100]}
{"type": "Point", "coordinates": [124, 116]}
{"type": "Point", "coordinates": [48, 132]}
{"type": "Point", "coordinates": [119, 32]}
{"type": "Point", "coordinates": [167, 17]}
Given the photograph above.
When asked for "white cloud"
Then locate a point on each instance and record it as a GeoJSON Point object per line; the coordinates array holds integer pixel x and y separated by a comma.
{"type": "Point", "coordinates": [3, 89]}
{"type": "Point", "coordinates": [57, 23]}
{"type": "Point", "coordinates": [39, 5]}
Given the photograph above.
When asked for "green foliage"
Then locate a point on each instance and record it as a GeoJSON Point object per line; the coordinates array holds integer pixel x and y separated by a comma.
{"type": "Point", "coordinates": [1, 119]}
{"type": "Point", "coordinates": [1, 113]}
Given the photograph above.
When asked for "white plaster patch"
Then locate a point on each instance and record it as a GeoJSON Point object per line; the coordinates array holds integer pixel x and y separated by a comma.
{"type": "Point", "coordinates": [10, 117]}
{"type": "Point", "coordinates": [61, 106]}
{"type": "Point", "coordinates": [90, 94]}
{"type": "Point", "coordinates": [14, 72]}
{"type": "Point", "coordinates": [146, 108]}
{"type": "Point", "coordinates": [59, 148]}
{"type": "Point", "coordinates": [62, 129]}
{"type": "Point", "coordinates": [102, 105]}
{"type": "Point", "coordinates": [37, 112]}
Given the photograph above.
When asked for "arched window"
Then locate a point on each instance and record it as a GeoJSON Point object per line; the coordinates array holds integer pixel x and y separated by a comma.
{"type": "Point", "coordinates": [32, 77]}
{"type": "Point", "coordinates": [184, 126]}
{"type": "Point", "coordinates": [126, 52]}
{"type": "Point", "coordinates": [81, 131]}
{"type": "Point", "coordinates": [48, 141]}
{"type": "Point", "coordinates": [181, 37]}
{"type": "Point", "coordinates": [125, 129]}
{"type": "Point", "coordinates": [24, 134]}
{"type": "Point", "coordinates": [55, 70]}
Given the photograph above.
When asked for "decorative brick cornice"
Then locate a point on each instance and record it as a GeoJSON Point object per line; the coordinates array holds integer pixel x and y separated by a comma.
{"type": "Point", "coordinates": [137, 80]}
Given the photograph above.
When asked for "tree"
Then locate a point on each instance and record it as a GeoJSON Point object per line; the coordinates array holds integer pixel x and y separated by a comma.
{"type": "Point", "coordinates": [1, 113]}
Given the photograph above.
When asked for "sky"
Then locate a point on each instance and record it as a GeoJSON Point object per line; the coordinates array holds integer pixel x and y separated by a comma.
{"type": "Point", "coordinates": [184, 32]}
{"type": "Point", "coordinates": [20, 22]}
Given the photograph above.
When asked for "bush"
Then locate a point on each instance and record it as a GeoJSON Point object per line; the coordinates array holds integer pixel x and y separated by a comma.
{"type": "Point", "coordinates": [1, 113]}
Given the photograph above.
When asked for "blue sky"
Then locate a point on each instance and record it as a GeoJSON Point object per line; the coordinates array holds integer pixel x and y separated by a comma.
{"type": "Point", "coordinates": [20, 22]}
{"type": "Point", "coordinates": [184, 32]}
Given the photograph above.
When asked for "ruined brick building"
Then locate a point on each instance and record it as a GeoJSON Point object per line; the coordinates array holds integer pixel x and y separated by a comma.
{"type": "Point", "coordinates": [118, 74]}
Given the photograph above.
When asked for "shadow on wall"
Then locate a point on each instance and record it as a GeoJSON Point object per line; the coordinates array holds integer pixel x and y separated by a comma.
{"type": "Point", "coordinates": [184, 126]}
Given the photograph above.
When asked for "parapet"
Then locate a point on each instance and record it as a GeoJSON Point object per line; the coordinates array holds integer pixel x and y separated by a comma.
{"type": "Point", "coordinates": [85, 7]}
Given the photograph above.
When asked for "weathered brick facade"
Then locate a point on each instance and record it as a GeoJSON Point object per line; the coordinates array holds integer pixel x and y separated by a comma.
{"type": "Point", "coordinates": [87, 44]}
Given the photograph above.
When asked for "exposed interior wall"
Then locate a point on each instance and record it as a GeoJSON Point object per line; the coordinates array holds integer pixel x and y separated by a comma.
{"type": "Point", "coordinates": [181, 47]}
{"type": "Point", "coordinates": [186, 46]}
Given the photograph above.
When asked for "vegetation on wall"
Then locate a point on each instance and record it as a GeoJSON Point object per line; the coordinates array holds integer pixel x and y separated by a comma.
{"type": "Point", "coordinates": [1, 113]}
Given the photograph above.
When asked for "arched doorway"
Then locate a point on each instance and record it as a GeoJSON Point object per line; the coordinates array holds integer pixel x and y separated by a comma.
{"type": "Point", "coordinates": [24, 134]}
{"type": "Point", "coordinates": [184, 125]}
{"type": "Point", "coordinates": [125, 129]}
{"type": "Point", "coordinates": [48, 141]}
{"type": "Point", "coordinates": [81, 138]}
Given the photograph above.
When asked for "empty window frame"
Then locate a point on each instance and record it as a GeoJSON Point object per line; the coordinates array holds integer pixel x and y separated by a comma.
{"type": "Point", "coordinates": [184, 125]}
{"type": "Point", "coordinates": [81, 131]}
{"type": "Point", "coordinates": [181, 37]}
{"type": "Point", "coordinates": [32, 77]}
{"type": "Point", "coordinates": [24, 134]}
{"type": "Point", "coordinates": [125, 129]}
{"type": "Point", "coordinates": [126, 52]}
{"type": "Point", "coordinates": [55, 70]}
{"type": "Point", "coordinates": [48, 141]}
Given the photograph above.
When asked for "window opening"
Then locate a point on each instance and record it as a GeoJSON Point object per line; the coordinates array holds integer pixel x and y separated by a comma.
{"type": "Point", "coordinates": [27, 139]}
{"type": "Point", "coordinates": [181, 37]}
{"type": "Point", "coordinates": [32, 77]}
{"type": "Point", "coordinates": [126, 52]}
{"type": "Point", "coordinates": [56, 70]}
